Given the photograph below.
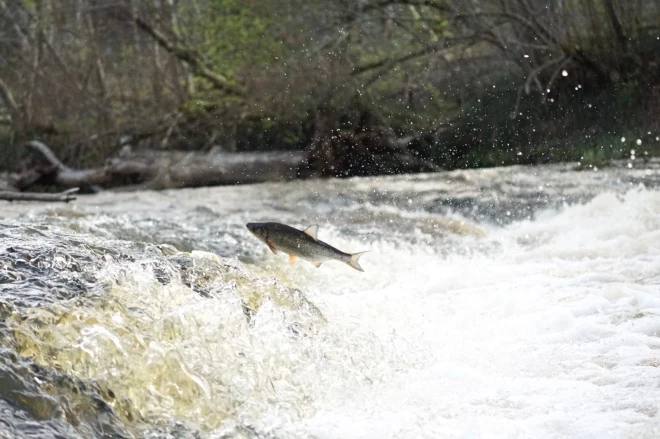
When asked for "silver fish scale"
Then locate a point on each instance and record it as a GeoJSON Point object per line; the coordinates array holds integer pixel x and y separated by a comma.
{"type": "Point", "coordinates": [306, 247]}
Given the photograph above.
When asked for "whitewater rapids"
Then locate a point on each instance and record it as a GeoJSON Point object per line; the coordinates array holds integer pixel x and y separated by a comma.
{"type": "Point", "coordinates": [514, 302]}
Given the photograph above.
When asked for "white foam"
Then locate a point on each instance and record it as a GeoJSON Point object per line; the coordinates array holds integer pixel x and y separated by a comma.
{"type": "Point", "coordinates": [557, 338]}
{"type": "Point", "coordinates": [552, 332]}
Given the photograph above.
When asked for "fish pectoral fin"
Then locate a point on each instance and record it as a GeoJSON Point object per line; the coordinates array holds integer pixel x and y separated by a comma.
{"type": "Point", "coordinates": [312, 231]}
{"type": "Point", "coordinates": [271, 246]}
{"type": "Point", "coordinates": [317, 264]}
{"type": "Point", "coordinates": [293, 259]}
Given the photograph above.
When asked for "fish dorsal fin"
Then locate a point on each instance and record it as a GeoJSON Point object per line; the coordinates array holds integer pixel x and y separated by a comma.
{"type": "Point", "coordinates": [317, 264]}
{"type": "Point", "coordinates": [312, 231]}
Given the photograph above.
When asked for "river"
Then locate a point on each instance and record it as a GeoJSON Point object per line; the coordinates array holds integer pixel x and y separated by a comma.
{"type": "Point", "coordinates": [505, 302]}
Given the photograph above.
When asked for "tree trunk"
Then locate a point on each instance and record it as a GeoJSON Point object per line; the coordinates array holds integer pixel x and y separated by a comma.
{"type": "Point", "coordinates": [167, 169]}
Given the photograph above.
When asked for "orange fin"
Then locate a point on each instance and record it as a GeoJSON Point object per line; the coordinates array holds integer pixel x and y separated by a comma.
{"type": "Point", "coordinates": [271, 246]}
{"type": "Point", "coordinates": [317, 264]}
{"type": "Point", "coordinates": [293, 259]}
{"type": "Point", "coordinates": [312, 231]}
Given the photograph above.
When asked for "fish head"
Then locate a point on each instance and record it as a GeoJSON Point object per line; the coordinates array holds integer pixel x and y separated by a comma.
{"type": "Point", "coordinates": [260, 230]}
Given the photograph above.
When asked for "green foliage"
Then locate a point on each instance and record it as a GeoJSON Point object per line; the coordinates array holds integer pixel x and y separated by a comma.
{"type": "Point", "coordinates": [305, 66]}
{"type": "Point", "coordinates": [236, 35]}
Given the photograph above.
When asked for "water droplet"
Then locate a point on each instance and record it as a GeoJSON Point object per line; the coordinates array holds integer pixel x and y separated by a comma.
{"type": "Point", "coordinates": [564, 73]}
{"type": "Point", "coordinates": [623, 139]}
{"type": "Point", "coordinates": [639, 142]}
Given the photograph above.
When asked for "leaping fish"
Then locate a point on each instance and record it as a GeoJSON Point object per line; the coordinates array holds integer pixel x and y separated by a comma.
{"type": "Point", "coordinates": [301, 244]}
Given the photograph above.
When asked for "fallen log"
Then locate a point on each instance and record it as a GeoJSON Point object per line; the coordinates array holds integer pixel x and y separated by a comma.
{"type": "Point", "coordinates": [178, 169]}
{"type": "Point", "coordinates": [65, 196]}
{"type": "Point", "coordinates": [339, 155]}
{"type": "Point", "coordinates": [153, 169]}
{"type": "Point", "coordinates": [66, 176]}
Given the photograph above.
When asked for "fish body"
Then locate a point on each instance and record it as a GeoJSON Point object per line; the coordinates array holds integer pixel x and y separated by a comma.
{"type": "Point", "coordinates": [301, 244]}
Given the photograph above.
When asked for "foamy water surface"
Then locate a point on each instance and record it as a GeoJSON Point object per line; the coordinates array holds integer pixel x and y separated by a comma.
{"type": "Point", "coordinates": [496, 303]}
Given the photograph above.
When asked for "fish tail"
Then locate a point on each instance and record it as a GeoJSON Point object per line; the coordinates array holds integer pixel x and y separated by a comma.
{"type": "Point", "coordinates": [353, 262]}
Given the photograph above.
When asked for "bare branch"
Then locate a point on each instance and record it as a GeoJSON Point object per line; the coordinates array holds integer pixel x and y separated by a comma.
{"type": "Point", "coordinates": [65, 176]}
{"type": "Point", "coordinates": [8, 97]}
{"type": "Point", "coordinates": [533, 75]}
{"type": "Point", "coordinates": [616, 24]}
{"type": "Point", "coordinates": [24, 42]}
{"type": "Point", "coordinates": [48, 155]}
{"type": "Point", "coordinates": [555, 74]}
{"type": "Point", "coordinates": [385, 3]}
{"type": "Point", "coordinates": [65, 196]}
{"type": "Point", "coordinates": [430, 49]}
{"type": "Point", "coordinates": [191, 57]}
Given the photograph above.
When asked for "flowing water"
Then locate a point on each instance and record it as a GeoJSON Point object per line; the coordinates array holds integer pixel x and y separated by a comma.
{"type": "Point", "coordinates": [511, 302]}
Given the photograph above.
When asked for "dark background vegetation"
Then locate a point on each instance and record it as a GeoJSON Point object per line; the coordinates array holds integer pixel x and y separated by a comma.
{"type": "Point", "coordinates": [360, 85]}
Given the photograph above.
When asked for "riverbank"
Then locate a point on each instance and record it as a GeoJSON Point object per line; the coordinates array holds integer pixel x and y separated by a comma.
{"type": "Point", "coordinates": [369, 89]}
{"type": "Point", "coordinates": [159, 170]}
{"type": "Point", "coordinates": [492, 128]}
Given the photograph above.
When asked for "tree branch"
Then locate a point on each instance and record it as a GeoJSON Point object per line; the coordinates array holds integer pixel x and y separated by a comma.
{"type": "Point", "coordinates": [8, 98]}
{"type": "Point", "coordinates": [616, 24]}
{"type": "Point", "coordinates": [426, 50]}
{"type": "Point", "coordinates": [65, 196]}
{"type": "Point", "coordinates": [385, 3]}
{"type": "Point", "coordinates": [66, 176]}
{"type": "Point", "coordinates": [191, 57]}
{"type": "Point", "coordinates": [48, 155]}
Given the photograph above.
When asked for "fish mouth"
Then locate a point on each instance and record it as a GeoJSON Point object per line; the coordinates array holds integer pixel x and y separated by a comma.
{"type": "Point", "coordinates": [253, 228]}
